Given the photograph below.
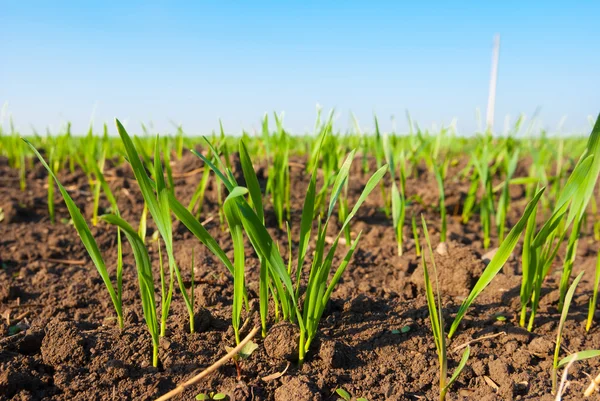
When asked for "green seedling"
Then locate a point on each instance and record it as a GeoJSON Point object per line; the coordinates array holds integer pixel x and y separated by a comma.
{"type": "Point", "coordinates": [486, 206]}
{"type": "Point", "coordinates": [346, 396]}
{"type": "Point", "coordinates": [540, 249]}
{"type": "Point", "coordinates": [561, 325]}
{"type": "Point", "coordinates": [145, 280]}
{"type": "Point", "coordinates": [143, 225]}
{"type": "Point", "coordinates": [278, 182]}
{"type": "Point", "coordinates": [234, 221]}
{"type": "Point", "coordinates": [579, 203]}
{"type": "Point", "coordinates": [318, 291]}
{"type": "Point", "coordinates": [439, 177]}
{"type": "Point", "coordinates": [416, 236]}
{"type": "Point", "coordinates": [53, 166]}
{"type": "Point", "coordinates": [156, 197]}
{"type": "Point", "coordinates": [88, 240]}
{"type": "Point", "coordinates": [244, 353]}
{"type": "Point", "coordinates": [398, 201]}
{"type": "Point", "coordinates": [211, 396]}
{"type": "Point", "coordinates": [499, 259]}
{"type": "Point", "coordinates": [97, 188]}
{"type": "Point", "coordinates": [594, 299]}
{"type": "Point", "coordinates": [198, 196]}
{"type": "Point", "coordinates": [434, 304]}
{"type": "Point", "coordinates": [504, 200]}
{"type": "Point", "coordinates": [166, 294]}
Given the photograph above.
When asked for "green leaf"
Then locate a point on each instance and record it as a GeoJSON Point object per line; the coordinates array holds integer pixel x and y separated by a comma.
{"type": "Point", "coordinates": [578, 356]}
{"type": "Point", "coordinates": [571, 187]}
{"type": "Point", "coordinates": [460, 367]}
{"type": "Point", "coordinates": [229, 184]}
{"type": "Point", "coordinates": [501, 256]}
{"type": "Point", "coordinates": [85, 234]}
{"type": "Point", "coordinates": [344, 394]}
{"type": "Point", "coordinates": [159, 176]}
{"type": "Point", "coordinates": [340, 179]}
{"type": "Point", "coordinates": [306, 226]}
{"type": "Point", "coordinates": [198, 230]}
{"type": "Point", "coordinates": [586, 191]}
{"type": "Point", "coordinates": [158, 206]}
{"type": "Point", "coordinates": [371, 184]}
{"type": "Point", "coordinates": [251, 181]}
{"type": "Point", "coordinates": [246, 350]}
{"type": "Point", "coordinates": [234, 222]}
{"type": "Point", "coordinates": [563, 316]}
{"type": "Point", "coordinates": [435, 308]}
{"type": "Point", "coordinates": [145, 277]}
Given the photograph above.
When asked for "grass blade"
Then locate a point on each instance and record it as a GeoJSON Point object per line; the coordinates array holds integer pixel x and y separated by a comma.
{"type": "Point", "coordinates": [501, 256]}
{"type": "Point", "coordinates": [86, 237]}
{"type": "Point", "coordinates": [145, 279]}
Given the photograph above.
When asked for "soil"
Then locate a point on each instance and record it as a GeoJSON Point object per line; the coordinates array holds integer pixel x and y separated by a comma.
{"type": "Point", "coordinates": [374, 340]}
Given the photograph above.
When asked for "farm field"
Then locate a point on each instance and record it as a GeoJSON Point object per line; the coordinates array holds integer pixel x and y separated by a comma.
{"type": "Point", "coordinates": [318, 245]}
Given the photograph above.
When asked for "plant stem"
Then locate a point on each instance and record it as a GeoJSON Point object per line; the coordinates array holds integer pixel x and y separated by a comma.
{"type": "Point", "coordinates": [301, 349]}
{"type": "Point", "coordinates": [523, 315]}
{"type": "Point", "coordinates": [155, 355]}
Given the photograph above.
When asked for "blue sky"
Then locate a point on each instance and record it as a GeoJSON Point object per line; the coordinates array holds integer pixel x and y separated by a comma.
{"type": "Point", "coordinates": [195, 62]}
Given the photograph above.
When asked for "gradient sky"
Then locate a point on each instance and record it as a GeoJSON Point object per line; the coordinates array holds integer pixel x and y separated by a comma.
{"type": "Point", "coordinates": [195, 62]}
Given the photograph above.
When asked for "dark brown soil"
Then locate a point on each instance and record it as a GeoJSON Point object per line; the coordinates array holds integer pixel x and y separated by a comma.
{"type": "Point", "coordinates": [375, 339]}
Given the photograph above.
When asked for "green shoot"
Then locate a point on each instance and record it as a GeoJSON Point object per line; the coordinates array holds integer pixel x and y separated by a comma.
{"type": "Point", "coordinates": [156, 197]}
{"type": "Point", "coordinates": [211, 396]}
{"type": "Point", "coordinates": [398, 202]}
{"type": "Point", "coordinates": [346, 396]}
{"type": "Point", "coordinates": [416, 236]}
{"type": "Point", "coordinates": [145, 279]}
{"type": "Point", "coordinates": [579, 205]}
{"type": "Point", "coordinates": [561, 325]}
{"type": "Point", "coordinates": [87, 239]}
{"type": "Point", "coordinates": [234, 221]}
{"type": "Point", "coordinates": [439, 177]}
{"type": "Point", "coordinates": [504, 200]}
{"type": "Point", "coordinates": [143, 225]}
{"type": "Point", "coordinates": [594, 300]}
{"type": "Point", "coordinates": [51, 187]}
{"type": "Point", "coordinates": [539, 250]}
{"type": "Point", "coordinates": [166, 295]}
{"type": "Point", "coordinates": [579, 356]}
{"type": "Point", "coordinates": [97, 188]}
{"type": "Point", "coordinates": [318, 291]}
{"type": "Point", "coordinates": [434, 304]}
{"type": "Point", "coordinates": [501, 256]}
{"type": "Point", "coordinates": [198, 196]}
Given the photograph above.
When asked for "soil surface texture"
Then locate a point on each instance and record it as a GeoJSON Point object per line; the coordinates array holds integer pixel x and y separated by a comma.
{"type": "Point", "coordinates": [59, 339]}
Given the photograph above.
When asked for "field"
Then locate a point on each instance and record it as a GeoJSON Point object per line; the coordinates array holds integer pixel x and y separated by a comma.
{"type": "Point", "coordinates": [418, 266]}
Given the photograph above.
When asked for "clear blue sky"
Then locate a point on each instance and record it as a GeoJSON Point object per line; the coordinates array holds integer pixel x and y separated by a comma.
{"type": "Point", "coordinates": [195, 62]}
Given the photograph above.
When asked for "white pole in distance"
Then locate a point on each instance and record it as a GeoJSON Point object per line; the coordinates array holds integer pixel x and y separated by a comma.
{"type": "Point", "coordinates": [493, 80]}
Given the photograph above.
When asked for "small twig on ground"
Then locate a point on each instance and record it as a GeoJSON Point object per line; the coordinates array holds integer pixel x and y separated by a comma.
{"type": "Point", "coordinates": [208, 220]}
{"type": "Point", "coordinates": [188, 173]}
{"type": "Point", "coordinates": [297, 165]}
{"type": "Point", "coordinates": [10, 339]}
{"type": "Point", "coordinates": [459, 347]}
{"type": "Point", "coordinates": [275, 375]}
{"type": "Point", "coordinates": [179, 389]}
{"type": "Point", "coordinates": [66, 261]}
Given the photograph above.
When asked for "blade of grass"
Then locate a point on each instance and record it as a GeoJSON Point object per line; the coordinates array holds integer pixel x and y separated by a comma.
{"type": "Point", "coordinates": [501, 256]}
{"type": "Point", "coordinates": [86, 237]}
{"type": "Point", "coordinates": [145, 279]}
